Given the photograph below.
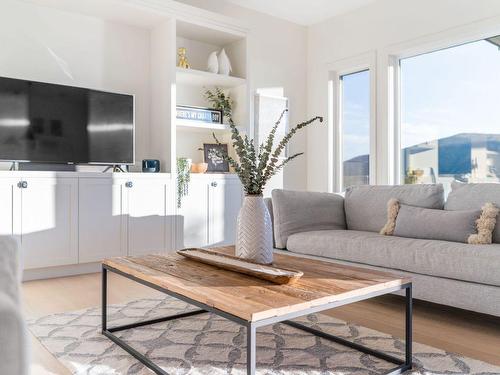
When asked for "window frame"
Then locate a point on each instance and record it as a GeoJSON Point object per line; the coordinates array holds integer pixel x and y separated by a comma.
{"type": "Point", "coordinates": [390, 110]}
{"type": "Point", "coordinates": [336, 71]}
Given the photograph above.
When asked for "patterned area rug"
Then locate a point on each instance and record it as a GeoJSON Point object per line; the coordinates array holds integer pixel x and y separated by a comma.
{"type": "Point", "coordinates": [207, 344]}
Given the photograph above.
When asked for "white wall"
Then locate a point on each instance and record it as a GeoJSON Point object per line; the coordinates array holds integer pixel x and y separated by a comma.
{"type": "Point", "coordinates": [277, 58]}
{"type": "Point", "coordinates": [374, 28]}
{"type": "Point", "coordinates": [46, 44]}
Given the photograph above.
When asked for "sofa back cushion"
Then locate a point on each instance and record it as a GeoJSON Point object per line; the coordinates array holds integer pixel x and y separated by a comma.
{"type": "Point", "coordinates": [366, 205]}
{"type": "Point", "coordinates": [302, 211]}
{"type": "Point", "coordinates": [473, 197]}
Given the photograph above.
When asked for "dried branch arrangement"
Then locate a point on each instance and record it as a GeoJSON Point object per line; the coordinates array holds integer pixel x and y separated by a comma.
{"type": "Point", "coordinates": [255, 167]}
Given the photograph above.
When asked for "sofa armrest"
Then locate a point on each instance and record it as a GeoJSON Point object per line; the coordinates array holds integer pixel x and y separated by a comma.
{"type": "Point", "coordinates": [269, 204]}
{"type": "Point", "coordinates": [303, 211]}
{"type": "Point", "coordinates": [13, 338]}
{"type": "Point", "coordinates": [10, 267]}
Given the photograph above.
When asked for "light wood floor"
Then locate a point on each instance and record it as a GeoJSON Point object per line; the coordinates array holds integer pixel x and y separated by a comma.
{"type": "Point", "coordinates": [473, 335]}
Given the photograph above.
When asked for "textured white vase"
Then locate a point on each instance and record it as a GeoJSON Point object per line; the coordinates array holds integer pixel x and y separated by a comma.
{"type": "Point", "coordinates": [224, 63]}
{"type": "Point", "coordinates": [213, 63]}
{"type": "Point", "coordinates": [254, 233]}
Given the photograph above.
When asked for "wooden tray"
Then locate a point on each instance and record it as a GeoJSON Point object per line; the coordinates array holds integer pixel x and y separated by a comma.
{"type": "Point", "coordinates": [232, 263]}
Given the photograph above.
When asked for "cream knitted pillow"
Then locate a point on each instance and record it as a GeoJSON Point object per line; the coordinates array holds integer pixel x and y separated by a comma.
{"type": "Point", "coordinates": [485, 225]}
{"type": "Point", "coordinates": [392, 214]}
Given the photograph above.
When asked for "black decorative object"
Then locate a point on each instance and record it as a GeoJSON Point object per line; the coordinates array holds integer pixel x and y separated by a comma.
{"type": "Point", "coordinates": [199, 114]}
{"type": "Point", "coordinates": [213, 157]}
{"type": "Point", "coordinates": [150, 166]}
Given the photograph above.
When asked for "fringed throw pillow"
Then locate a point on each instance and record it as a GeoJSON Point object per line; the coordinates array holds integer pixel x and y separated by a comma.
{"type": "Point", "coordinates": [485, 225]}
{"type": "Point", "coordinates": [392, 214]}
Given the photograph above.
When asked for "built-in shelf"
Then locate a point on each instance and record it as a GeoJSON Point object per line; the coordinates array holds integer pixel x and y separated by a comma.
{"type": "Point", "coordinates": [200, 126]}
{"type": "Point", "coordinates": [200, 78]}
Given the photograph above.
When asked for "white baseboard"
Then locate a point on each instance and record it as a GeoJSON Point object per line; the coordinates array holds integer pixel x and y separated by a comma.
{"type": "Point", "coordinates": [61, 271]}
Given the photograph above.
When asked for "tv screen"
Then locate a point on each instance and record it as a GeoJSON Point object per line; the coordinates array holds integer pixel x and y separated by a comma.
{"type": "Point", "coordinates": [48, 123]}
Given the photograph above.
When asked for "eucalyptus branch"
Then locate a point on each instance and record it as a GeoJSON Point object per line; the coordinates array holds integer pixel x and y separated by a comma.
{"type": "Point", "coordinates": [284, 162]}
{"type": "Point", "coordinates": [266, 147]}
{"type": "Point", "coordinates": [233, 163]}
{"type": "Point", "coordinates": [281, 146]}
{"type": "Point", "coordinates": [255, 167]}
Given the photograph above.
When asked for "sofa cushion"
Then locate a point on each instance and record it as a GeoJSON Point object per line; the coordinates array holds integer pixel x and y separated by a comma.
{"type": "Point", "coordinates": [366, 205]}
{"type": "Point", "coordinates": [473, 263]}
{"type": "Point", "coordinates": [302, 211]}
{"type": "Point", "coordinates": [473, 197]}
{"type": "Point", "coordinates": [426, 223]}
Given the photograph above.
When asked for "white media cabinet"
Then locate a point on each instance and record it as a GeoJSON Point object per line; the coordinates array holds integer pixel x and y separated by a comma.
{"type": "Point", "coordinates": [67, 222]}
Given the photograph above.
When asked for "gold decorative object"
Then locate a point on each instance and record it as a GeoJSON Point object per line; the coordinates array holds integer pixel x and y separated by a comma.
{"type": "Point", "coordinates": [183, 61]}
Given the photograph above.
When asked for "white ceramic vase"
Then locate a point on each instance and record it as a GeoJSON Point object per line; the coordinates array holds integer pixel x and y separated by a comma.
{"type": "Point", "coordinates": [254, 236]}
{"type": "Point", "coordinates": [224, 63]}
{"type": "Point", "coordinates": [213, 63]}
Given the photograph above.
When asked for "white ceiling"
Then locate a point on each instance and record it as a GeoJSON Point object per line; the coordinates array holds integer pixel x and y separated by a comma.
{"type": "Point", "coordinates": [303, 12]}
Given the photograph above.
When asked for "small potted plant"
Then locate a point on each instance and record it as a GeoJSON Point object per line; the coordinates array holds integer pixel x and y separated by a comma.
{"type": "Point", "coordinates": [255, 166]}
{"type": "Point", "coordinates": [183, 178]}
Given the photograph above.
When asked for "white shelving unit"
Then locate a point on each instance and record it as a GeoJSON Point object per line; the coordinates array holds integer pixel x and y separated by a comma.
{"type": "Point", "coordinates": [191, 85]}
{"type": "Point", "coordinates": [200, 126]}
{"type": "Point", "coordinates": [171, 86]}
{"type": "Point", "coordinates": [210, 210]}
{"type": "Point", "coordinates": [193, 77]}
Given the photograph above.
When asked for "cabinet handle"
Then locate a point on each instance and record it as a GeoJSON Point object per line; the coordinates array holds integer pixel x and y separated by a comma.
{"type": "Point", "coordinates": [22, 184]}
{"type": "Point", "coordinates": [129, 184]}
{"type": "Point", "coordinates": [214, 184]}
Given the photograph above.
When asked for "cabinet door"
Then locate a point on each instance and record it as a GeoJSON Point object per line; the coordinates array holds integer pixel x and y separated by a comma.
{"type": "Point", "coordinates": [10, 195]}
{"type": "Point", "coordinates": [49, 229]}
{"type": "Point", "coordinates": [149, 215]}
{"type": "Point", "coordinates": [192, 222]}
{"type": "Point", "coordinates": [102, 221]}
{"type": "Point", "coordinates": [225, 197]}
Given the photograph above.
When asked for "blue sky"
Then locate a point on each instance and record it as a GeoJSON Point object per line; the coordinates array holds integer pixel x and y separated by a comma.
{"type": "Point", "coordinates": [456, 90]}
{"type": "Point", "coordinates": [451, 91]}
{"type": "Point", "coordinates": [356, 114]}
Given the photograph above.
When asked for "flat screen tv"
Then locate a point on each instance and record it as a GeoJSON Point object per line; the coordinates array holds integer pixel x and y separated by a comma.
{"type": "Point", "coordinates": [49, 123]}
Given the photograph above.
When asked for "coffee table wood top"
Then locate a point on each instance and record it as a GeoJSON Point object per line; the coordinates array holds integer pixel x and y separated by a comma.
{"type": "Point", "coordinates": [254, 299]}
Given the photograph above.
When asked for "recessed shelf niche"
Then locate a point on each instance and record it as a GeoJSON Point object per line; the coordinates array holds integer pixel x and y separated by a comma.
{"type": "Point", "coordinates": [191, 85]}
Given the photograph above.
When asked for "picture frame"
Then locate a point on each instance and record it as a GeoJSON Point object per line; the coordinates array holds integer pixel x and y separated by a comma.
{"type": "Point", "coordinates": [216, 164]}
{"type": "Point", "coordinates": [199, 114]}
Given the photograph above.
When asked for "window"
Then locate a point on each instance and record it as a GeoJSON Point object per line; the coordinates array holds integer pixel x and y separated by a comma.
{"type": "Point", "coordinates": [450, 114]}
{"type": "Point", "coordinates": [355, 125]}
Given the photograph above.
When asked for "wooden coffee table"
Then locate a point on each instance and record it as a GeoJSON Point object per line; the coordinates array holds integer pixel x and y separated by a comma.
{"type": "Point", "coordinates": [255, 303]}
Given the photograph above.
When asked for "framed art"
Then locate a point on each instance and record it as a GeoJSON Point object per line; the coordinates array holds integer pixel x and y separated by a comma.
{"type": "Point", "coordinates": [212, 154]}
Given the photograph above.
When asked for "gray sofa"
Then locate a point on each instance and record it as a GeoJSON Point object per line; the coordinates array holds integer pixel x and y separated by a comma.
{"type": "Point", "coordinates": [345, 229]}
{"type": "Point", "coordinates": [13, 333]}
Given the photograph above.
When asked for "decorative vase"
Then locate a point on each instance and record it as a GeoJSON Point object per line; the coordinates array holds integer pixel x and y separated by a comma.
{"type": "Point", "coordinates": [224, 63]}
{"type": "Point", "coordinates": [213, 63]}
{"type": "Point", "coordinates": [254, 236]}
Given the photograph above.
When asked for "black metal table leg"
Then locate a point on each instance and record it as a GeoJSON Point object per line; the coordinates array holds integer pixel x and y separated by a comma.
{"type": "Point", "coordinates": [409, 327]}
{"type": "Point", "coordinates": [104, 293]}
